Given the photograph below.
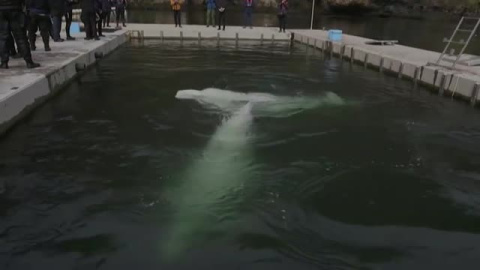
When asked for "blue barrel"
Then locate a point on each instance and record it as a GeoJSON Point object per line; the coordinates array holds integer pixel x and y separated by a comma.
{"type": "Point", "coordinates": [335, 35]}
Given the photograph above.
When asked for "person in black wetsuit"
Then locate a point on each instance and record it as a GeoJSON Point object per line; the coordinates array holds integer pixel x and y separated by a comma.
{"type": "Point", "coordinates": [39, 11]}
{"type": "Point", "coordinates": [88, 17]}
{"type": "Point", "coordinates": [57, 11]}
{"type": "Point", "coordinates": [69, 17]}
{"type": "Point", "coordinates": [12, 19]}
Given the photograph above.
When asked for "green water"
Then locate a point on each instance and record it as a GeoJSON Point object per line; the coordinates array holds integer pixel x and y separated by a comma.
{"type": "Point", "coordinates": [344, 168]}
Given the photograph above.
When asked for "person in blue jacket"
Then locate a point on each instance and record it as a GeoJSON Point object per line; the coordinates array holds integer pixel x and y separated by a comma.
{"type": "Point", "coordinates": [211, 7]}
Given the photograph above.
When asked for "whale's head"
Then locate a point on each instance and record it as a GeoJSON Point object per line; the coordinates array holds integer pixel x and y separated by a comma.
{"type": "Point", "coordinates": [188, 94]}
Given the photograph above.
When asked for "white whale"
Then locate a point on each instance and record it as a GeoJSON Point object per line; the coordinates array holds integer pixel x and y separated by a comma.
{"type": "Point", "coordinates": [263, 104]}
{"type": "Point", "coordinates": [208, 186]}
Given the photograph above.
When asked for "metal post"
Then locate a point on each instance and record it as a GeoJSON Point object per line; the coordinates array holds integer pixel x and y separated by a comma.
{"type": "Point", "coordinates": [161, 35]}
{"type": "Point", "coordinates": [415, 77]}
{"type": "Point", "coordinates": [313, 12]}
{"type": "Point", "coordinates": [218, 39]}
{"type": "Point", "coordinates": [261, 39]}
{"type": "Point", "coordinates": [443, 81]}
{"type": "Point", "coordinates": [273, 39]}
{"type": "Point", "coordinates": [400, 71]}
{"type": "Point", "coordinates": [199, 38]}
{"type": "Point", "coordinates": [236, 39]}
{"type": "Point", "coordinates": [474, 97]}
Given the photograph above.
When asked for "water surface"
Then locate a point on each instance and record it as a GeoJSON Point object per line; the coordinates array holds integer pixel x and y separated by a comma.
{"type": "Point", "coordinates": [116, 173]}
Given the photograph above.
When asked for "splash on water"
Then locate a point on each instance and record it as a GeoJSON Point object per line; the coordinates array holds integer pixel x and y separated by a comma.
{"type": "Point", "coordinates": [263, 104]}
{"type": "Point", "coordinates": [210, 184]}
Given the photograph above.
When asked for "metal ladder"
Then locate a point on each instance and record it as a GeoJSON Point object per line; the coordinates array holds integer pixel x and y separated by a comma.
{"type": "Point", "coordinates": [470, 32]}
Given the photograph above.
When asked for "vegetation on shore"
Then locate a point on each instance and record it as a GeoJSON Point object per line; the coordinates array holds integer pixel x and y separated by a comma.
{"type": "Point", "coordinates": [334, 6]}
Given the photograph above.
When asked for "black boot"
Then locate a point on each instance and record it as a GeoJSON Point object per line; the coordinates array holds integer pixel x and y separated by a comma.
{"type": "Point", "coordinates": [31, 64]}
{"type": "Point", "coordinates": [46, 43]}
{"type": "Point", "coordinates": [4, 65]}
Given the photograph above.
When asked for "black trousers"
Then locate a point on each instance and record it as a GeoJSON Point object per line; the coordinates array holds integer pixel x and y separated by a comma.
{"type": "Point", "coordinates": [88, 18]}
{"type": "Point", "coordinates": [221, 19]}
{"type": "Point", "coordinates": [282, 22]}
{"type": "Point", "coordinates": [68, 21]}
{"type": "Point", "coordinates": [120, 16]}
{"type": "Point", "coordinates": [42, 22]}
{"type": "Point", "coordinates": [101, 22]}
{"type": "Point", "coordinates": [107, 18]}
{"type": "Point", "coordinates": [14, 21]}
{"type": "Point", "coordinates": [177, 17]}
{"type": "Point", "coordinates": [56, 27]}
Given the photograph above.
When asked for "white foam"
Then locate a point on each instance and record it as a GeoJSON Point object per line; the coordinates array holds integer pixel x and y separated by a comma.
{"type": "Point", "coordinates": [209, 180]}
{"type": "Point", "coordinates": [263, 104]}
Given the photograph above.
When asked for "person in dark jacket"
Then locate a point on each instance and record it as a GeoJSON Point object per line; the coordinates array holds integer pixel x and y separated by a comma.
{"type": "Point", "coordinates": [57, 11]}
{"type": "Point", "coordinates": [108, 12]}
{"type": "Point", "coordinates": [12, 19]}
{"type": "Point", "coordinates": [120, 6]}
{"type": "Point", "coordinates": [282, 15]}
{"type": "Point", "coordinates": [103, 8]}
{"type": "Point", "coordinates": [39, 11]}
{"type": "Point", "coordinates": [69, 17]}
{"type": "Point", "coordinates": [222, 9]}
{"type": "Point", "coordinates": [89, 19]}
{"type": "Point", "coordinates": [247, 13]}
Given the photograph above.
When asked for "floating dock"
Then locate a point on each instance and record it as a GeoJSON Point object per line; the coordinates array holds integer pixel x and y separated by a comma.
{"type": "Point", "coordinates": [405, 62]}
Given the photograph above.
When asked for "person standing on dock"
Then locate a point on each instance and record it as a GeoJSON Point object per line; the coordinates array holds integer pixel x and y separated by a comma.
{"type": "Point", "coordinates": [211, 6]}
{"type": "Point", "coordinates": [102, 10]}
{"type": "Point", "coordinates": [57, 11]}
{"type": "Point", "coordinates": [247, 13]}
{"type": "Point", "coordinates": [12, 19]}
{"type": "Point", "coordinates": [222, 9]}
{"type": "Point", "coordinates": [177, 9]}
{"type": "Point", "coordinates": [69, 17]}
{"type": "Point", "coordinates": [88, 17]}
{"type": "Point", "coordinates": [106, 22]}
{"type": "Point", "coordinates": [282, 15]}
{"type": "Point", "coordinates": [39, 11]}
{"type": "Point", "coordinates": [120, 7]}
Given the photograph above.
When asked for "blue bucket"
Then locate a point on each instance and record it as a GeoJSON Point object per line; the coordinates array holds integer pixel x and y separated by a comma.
{"type": "Point", "coordinates": [75, 28]}
{"type": "Point", "coordinates": [335, 35]}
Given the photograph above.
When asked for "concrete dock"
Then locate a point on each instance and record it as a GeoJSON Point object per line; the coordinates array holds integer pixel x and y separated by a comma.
{"type": "Point", "coordinates": [21, 90]}
{"type": "Point", "coordinates": [405, 62]}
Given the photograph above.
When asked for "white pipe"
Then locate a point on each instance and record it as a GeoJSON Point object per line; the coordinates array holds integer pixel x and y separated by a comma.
{"type": "Point", "coordinates": [313, 11]}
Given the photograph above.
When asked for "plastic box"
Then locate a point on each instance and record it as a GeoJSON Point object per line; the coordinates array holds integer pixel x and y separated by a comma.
{"type": "Point", "coordinates": [335, 35]}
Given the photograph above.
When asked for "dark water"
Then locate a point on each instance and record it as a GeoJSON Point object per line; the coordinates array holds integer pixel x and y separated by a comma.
{"type": "Point", "coordinates": [427, 32]}
{"type": "Point", "coordinates": [104, 174]}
